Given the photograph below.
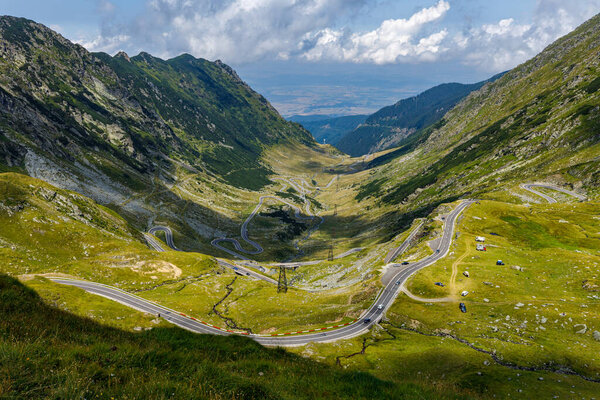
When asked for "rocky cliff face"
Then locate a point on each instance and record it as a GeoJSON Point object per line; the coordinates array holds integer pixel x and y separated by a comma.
{"type": "Point", "coordinates": [128, 118]}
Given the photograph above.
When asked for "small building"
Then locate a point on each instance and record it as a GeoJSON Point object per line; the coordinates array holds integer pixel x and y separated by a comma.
{"type": "Point", "coordinates": [480, 239]}
{"type": "Point", "coordinates": [480, 247]}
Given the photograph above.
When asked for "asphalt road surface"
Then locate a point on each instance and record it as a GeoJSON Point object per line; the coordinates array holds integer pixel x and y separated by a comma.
{"type": "Point", "coordinates": [530, 187]}
{"type": "Point", "coordinates": [373, 314]}
{"type": "Point", "coordinates": [168, 237]}
{"type": "Point", "coordinates": [244, 229]}
{"type": "Point", "coordinates": [169, 240]}
{"type": "Point", "coordinates": [402, 248]}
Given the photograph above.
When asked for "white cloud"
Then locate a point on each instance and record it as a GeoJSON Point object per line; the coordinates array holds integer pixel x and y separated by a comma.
{"type": "Point", "coordinates": [106, 44]}
{"type": "Point", "coordinates": [233, 30]}
{"type": "Point", "coordinates": [241, 31]}
{"type": "Point", "coordinates": [500, 46]}
{"type": "Point", "coordinates": [56, 28]}
{"type": "Point", "coordinates": [393, 41]}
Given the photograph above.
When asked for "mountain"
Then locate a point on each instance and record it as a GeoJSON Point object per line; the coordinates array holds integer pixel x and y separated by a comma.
{"type": "Point", "coordinates": [129, 119]}
{"type": "Point", "coordinates": [389, 126]}
{"type": "Point", "coordinates": [539, 121]}
{"type": "Point", "coordinates": [330, 130]}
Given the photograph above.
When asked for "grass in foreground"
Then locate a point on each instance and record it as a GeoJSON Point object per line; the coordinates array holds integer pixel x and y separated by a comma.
{"type": "Point", "coordinates": [523, 334]}
{"type": "Point", "coordinates": [49, 353]}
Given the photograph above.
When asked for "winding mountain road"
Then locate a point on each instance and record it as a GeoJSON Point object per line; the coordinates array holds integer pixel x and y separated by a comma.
{"type": "Point", "coordinates": [298, 214]}
{"type": "Point", "coordinates": [327, 334]}
{"type": "Point", "coordinates": [402, 248]}
{"type": "Point", "coordinates": [530, 187]}
{"type": "Point", "coordinates": [156, 245]}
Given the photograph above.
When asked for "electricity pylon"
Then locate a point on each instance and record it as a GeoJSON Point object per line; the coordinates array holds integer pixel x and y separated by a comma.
{"type": "Point", "coordinates": [282, 282]}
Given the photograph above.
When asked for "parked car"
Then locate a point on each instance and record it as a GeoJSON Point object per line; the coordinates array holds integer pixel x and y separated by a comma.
{"type": "Point", "coordinates": [464, 293]}
{"type": "Point", "coordinates": [462, 307]}
{"type": "Point", "coordinates": [499, 262]}
{"type": "Point", "coordinates": [466, 273]}
{"type": "Point", "coordinates": [439, 284]}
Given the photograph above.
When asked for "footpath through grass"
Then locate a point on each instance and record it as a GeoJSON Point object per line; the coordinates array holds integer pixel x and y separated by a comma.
{"type": "Point", "coordinates": [529, 330]}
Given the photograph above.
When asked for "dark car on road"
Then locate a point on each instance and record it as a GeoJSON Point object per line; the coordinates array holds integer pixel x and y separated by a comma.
{"type": "Point", "coordinates": [405, 263]}
{"type": "Point", "coordinates": [367, 320]}
{"type": "Point", "coordinates": [462, 307]}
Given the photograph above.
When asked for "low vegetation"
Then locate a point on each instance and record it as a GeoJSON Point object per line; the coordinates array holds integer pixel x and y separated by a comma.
{"type": "Point", "coordinates": [48, 353]}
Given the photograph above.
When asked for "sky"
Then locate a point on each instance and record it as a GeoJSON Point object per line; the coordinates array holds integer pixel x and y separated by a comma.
{"type": "Point", "coordinates": [333, 57]}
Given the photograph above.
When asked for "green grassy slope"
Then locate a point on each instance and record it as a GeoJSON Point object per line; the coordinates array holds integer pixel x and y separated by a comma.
{"type": "Point", "coordinates": [48, 230]}
{"type": "Point", "coordinates": [539, 121]}
{"type": "Point", "coordinates": [522, 336]}
{"type": "Point", "coordinates": [391, 125]}
{"type": "Point", "coordinates": [48, 353]}
{"type": "Point", "coordinates": [130, 117]}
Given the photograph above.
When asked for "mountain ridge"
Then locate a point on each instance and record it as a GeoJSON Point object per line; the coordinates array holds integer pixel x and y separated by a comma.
{"type": "Point", "coordinates": [148, 108]}
{"type": "Point", "coordinates": [537, 121]}
{"type": "Point", "coordinates": [391, 125]}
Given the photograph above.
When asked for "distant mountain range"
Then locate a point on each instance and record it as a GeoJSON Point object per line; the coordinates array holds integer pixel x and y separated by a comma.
{"type": "Point", "coordinates": [327, 129]}
{"type": "Point", "coordinates": [539, 121]}
{"type": "Point", "coordinates": [391, 125]}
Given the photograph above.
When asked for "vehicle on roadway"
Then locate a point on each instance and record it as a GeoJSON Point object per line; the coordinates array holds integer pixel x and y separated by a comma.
{"type": "Point", "coordinates": [405, 263]}
{"type": "Point", "coordinates": [380, 307]}
{"type": "Point", "coordinates": [367, 320]}
{"type": "Point", "coordinates": [462, 307]}
{"type": "Point", "coordinates": [439, 284]}
{"type": "Point", "coordinates": [397, 282]}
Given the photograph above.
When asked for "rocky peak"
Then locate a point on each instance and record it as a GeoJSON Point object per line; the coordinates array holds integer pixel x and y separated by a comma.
{"type": "Point", "coordinates": [122, 54]}
{"type": "Point", "coordinates": [230, 71]}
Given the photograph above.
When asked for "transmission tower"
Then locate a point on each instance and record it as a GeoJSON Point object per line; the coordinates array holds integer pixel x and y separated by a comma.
{"type": "Point", "coordinates": [282, 282]}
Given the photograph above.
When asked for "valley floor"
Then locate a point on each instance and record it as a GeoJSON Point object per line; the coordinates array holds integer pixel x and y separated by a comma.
{"type": "Point", "coordinates": [530, 327]}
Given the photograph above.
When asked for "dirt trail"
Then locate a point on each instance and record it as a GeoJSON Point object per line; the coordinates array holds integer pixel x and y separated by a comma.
{"type": "Point", "coordinates": [452, 283]}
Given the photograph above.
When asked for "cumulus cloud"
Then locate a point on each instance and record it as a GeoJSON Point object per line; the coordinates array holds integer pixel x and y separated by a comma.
{"type": "Point", "coordinates": [500, 46]}
{"type": "Point", "coordinates": [394, 40]}
{"type": "Point", "coordinates": [107, 44]}
{"type": "Point", "coordinates": [241, 31]}
{"type": "Point", "coordinates": [234, 30]}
